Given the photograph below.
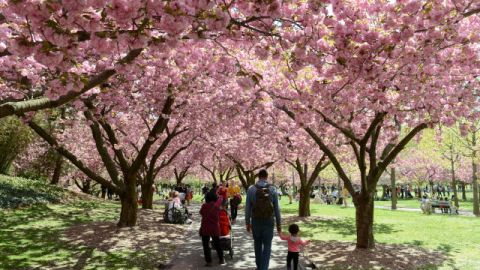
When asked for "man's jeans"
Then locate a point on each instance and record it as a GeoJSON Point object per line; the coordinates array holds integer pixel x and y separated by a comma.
{"type": "Point", "coordinates": [262, 230]}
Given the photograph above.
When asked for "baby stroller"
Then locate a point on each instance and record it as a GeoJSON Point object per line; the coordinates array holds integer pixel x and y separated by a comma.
{"type": "Point", "coordinates": [226, 235]}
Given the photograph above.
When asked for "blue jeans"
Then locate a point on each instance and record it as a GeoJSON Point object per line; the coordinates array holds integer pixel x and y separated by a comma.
{"type": "Point", "coordinates": [262, 230]}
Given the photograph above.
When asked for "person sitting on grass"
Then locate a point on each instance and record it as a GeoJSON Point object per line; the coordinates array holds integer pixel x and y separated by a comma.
{"type": "Point", "coordinates": [294, 245]}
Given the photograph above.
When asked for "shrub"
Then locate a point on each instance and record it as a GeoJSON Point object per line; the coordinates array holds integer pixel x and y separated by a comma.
{"type": "Point", "coordinates": [18, 192]}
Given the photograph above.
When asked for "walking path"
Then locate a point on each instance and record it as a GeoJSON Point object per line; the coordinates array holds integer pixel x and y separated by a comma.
{"type": "Point", "coordinates": [460, 212]}
{"type": "Point", "coordinates": [189, 255]}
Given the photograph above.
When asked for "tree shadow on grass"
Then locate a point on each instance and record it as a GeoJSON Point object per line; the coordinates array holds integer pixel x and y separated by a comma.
{"type": "Point", "coordinates": [343, 255]}
{"type": "Point", "coordinates": [37, 238]}
{"type": "Point", "coordinates": [343, 226]}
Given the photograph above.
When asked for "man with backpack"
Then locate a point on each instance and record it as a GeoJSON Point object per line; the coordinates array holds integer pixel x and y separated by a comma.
{"type": "Point", "coordinates": [260, 207]}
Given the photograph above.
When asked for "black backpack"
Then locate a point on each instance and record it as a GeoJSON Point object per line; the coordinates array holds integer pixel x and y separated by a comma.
{"type": "Point", "coordinates": [263, 206]}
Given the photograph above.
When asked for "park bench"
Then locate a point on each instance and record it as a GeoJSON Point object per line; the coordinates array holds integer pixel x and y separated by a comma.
{"type": "Point", "coordinates": [441, 205]}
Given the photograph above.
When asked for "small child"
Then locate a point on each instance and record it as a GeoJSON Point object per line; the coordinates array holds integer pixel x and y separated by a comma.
{"type": "Point", "coordinates": [294, 245]}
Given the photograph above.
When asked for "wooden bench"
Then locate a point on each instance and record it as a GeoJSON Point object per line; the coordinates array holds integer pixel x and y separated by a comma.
{"type": "Point", "coordinates": [441, 205]}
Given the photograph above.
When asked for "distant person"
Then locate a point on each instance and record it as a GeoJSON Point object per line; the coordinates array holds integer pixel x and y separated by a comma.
{"type": "Point", "coordinates": [223, 191]}
{"type": "Point", "coordinates": [110, 193]}
{"type": "Point", "coordinates": [235, 199]}
{"type": "Point", "coordinates": [260, 208]}
{"type": "Point", "coordinates": [294, 245]}
{"type": "Point", "coordinates": [204, 192]}
{"type": "Point", "coordinates": [289, 192]}
{"type": "Point", "coordinates": [189, 195]}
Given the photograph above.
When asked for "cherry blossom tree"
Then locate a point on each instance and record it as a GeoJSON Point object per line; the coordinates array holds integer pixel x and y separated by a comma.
{"type": "Point", "coordinates": [132, 131]}
{"type": "Point", "coordinates": [359, 69]}
{"type": "Point", "coordinates": [420, 167]}
{"type": "Point", "coordinates": [53, 52]}
{"type": "Point", "coordinates": [302, 154]}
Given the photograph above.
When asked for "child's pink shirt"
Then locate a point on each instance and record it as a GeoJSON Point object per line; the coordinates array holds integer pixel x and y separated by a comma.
{"type": "Point", "coordinates": [295, 244]}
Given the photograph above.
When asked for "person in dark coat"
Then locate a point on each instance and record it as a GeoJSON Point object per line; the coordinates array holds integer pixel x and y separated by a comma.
{"type": "Point", "coordinates": [210, 226]}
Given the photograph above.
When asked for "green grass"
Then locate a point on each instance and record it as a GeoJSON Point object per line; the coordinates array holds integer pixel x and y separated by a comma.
{"type": "Point", "coordinates": [19, 192]}
{"type": "Point", "coordinates": [458, 237]}
{"type": "Point", "coordinates": [31, 238]}
{"type": "Point", "coordinates": [31, 230]}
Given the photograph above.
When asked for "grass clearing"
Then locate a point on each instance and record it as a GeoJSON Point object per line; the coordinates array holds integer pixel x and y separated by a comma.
{"type": "Point", "coordinates": [43, 237]}
{"type": "Point", "coordinates": [457, 237]}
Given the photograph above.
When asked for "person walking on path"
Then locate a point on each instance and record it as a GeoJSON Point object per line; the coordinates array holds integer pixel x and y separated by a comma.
{"type": "Point", "coordinates": [294, 245]}
{"type": "Point", "coordinates": [235, 199]}
{"type": "Point", "coordinates": [260, 207]}
{"type": "Point", "coordinates": [210, 227]}
{"type": "Point", "coordinates": [223, 191]}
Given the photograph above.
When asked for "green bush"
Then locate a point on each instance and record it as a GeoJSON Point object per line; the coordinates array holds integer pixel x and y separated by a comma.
{"type": "Point", "coordinates": [18, 192]}
{"type": "Point", "coordinates": [14, 139]}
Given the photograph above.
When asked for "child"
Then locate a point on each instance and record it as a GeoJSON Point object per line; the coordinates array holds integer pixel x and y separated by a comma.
{"type": "Point", "coordinates": [294, 244]}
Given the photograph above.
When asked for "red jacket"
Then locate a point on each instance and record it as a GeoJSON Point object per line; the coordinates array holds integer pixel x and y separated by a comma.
{"type": "Point", "coordinates": [224, 223]}
{"type": "Point", "coordinates": [210, 213]}
{"type": "Point", "coordinates": [222, 191]}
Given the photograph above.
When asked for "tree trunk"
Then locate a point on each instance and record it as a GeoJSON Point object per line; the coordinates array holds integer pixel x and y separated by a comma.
{"type": "Point", "coordinates": [464, 192]}
{"type": "Point", "coordinates": [364, 221]}
{"type": "Point", "coordinates": [419, 191]}
{"type": "Point", "coordinates": [147, 196]}
{"type": "Point", "coordinates": [454, 184]}
{"type": "Point", "coordinates": [128, 198]}
{"type": "Point", "coordinates": [393, 192]}
{"type": "Point", "coordinates": [384, 191]}
{"type": "Point", "coordinates": [104, 192]}
{"type": "Point", "coordinates": [87, 186]}
{"type": "Point", "coordinates": [304, 206]}
{"type": "Point", "coordinates": [57, 172]}
{"type": "Point", "coordinates": [476, 206]}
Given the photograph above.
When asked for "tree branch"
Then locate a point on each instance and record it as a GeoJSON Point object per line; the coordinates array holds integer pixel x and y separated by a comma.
{"type": "Point", "coordinates": [18, 108]}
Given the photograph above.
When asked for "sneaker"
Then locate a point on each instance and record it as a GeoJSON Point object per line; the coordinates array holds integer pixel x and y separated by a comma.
{"type": "Point", "coordinates": [222, 262]}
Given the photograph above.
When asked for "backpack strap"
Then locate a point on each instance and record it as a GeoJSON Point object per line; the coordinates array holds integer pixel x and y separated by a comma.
{"type": "Point", "coordinates": [267, 186]}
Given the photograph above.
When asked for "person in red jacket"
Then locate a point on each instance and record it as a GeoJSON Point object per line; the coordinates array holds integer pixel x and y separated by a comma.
{"type": "Point", "coordinates": [223, 191]}
{"type": "Point", "coordinates": [210, 227]}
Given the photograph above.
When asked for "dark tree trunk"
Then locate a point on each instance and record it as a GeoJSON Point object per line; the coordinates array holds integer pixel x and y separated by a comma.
{"type": "Point", "coordinates": [364, 221]}
{"type": "Point", "coordinates": [393, 184]}
{"type": "Point", "coordinates": [454, 183]}
{"type": "Point", "coordinates": [104, 192]}
{"type": "Point", "coordinates": [464, 192]}
{"type": "Point", "coordinates": [180, 179]}
{"type": "Point", "coordinates": [476, 208]}
{"type": "Point", "coordinates": [147, 196]}
{"type": "Point", "coordinates": [128, 198]}
{"type": "Point", "coordinates": [87, 184]}
{"type": "Point", "coordinates": [476, 203]}
{"type": "Point", "coordinates": [384, 191]}
{"type": "Point", "coordinates": [304, 206]}
{"type": "Point", "coordinates": [57, 172]}
{"type": "Point", "coordinates": [419, 192]}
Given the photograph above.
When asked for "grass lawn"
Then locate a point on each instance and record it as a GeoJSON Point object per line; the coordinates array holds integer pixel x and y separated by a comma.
{"type": "Point", "coordinates": [79, 233]}
{"type": "Point", "coordinates": [457, 237]}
